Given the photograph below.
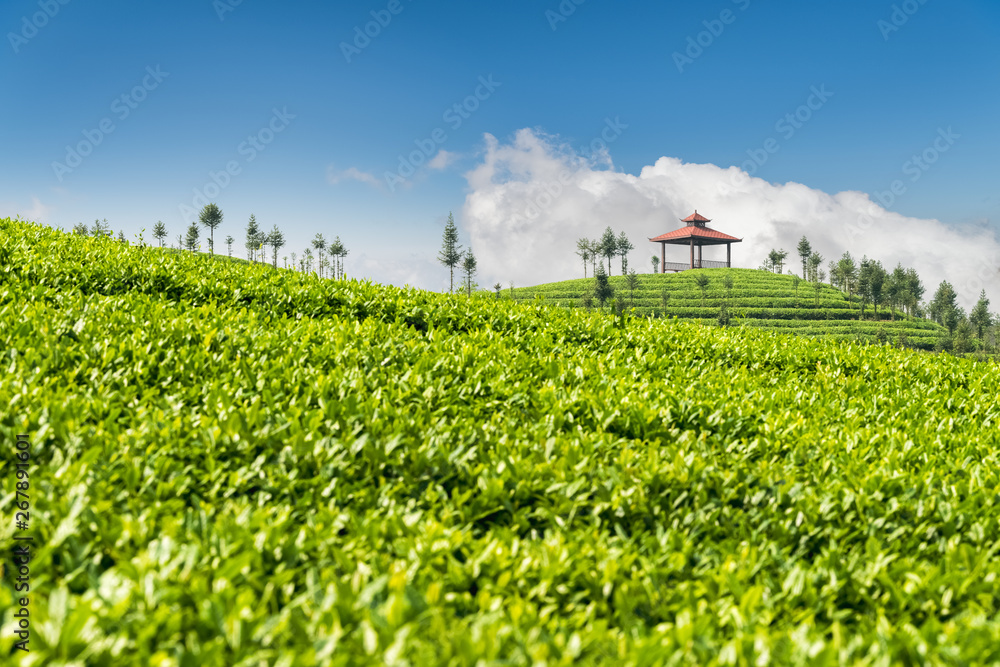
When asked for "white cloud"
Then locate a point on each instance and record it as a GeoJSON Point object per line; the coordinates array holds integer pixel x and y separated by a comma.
{"type": "Point", "coordinates": [334, 176]}
{"type": "Point", "coordinates": [532, 198]}
{"type": "Point", "coordinates": [442, 160]}
{"type": "Point", "coordinates": [38, 212]}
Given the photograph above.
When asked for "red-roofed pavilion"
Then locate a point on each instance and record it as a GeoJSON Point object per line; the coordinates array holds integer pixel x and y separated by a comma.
{"type": "Point", "coordinates": [696, 233]}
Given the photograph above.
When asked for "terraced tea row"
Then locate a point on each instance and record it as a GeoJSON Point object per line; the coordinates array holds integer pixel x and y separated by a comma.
{"type": "Point", "coordinates": [756, 298]}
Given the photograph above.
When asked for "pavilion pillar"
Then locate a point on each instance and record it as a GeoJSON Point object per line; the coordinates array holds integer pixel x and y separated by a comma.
{"type": "Point", "coordinates": [729, 255]}
{"type": "Point", "coordinates": [663, 257]}
{"type": "Point", "coordinates": [692, 253]}
{"type": "Point", "coordinates": [699, 256]}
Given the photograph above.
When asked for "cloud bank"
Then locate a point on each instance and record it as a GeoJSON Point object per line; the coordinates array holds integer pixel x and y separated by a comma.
{"type": "Point", "coordinates": [532, 198]}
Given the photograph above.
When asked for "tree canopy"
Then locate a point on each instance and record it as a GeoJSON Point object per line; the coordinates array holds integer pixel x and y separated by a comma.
{"type": "Point", "coordinates": [211, 217]}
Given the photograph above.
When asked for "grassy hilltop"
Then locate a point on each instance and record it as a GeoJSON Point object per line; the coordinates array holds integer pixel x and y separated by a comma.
{"type": "Point", "coordinates": [757, 299]}
{"type": "Point", "coordinates": [236, 465]}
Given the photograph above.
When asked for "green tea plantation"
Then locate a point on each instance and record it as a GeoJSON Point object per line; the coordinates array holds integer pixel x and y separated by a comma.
{"type": "Point", "coordinates": [236, 465]}
{"type": "Point", "coordinates": [753, 298]}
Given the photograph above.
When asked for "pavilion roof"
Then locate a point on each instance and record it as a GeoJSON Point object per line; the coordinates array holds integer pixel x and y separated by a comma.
{"type": "Point", "coordinates": [701, 236]}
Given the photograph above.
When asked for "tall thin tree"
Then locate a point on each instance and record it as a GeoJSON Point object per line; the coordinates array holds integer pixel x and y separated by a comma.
{"type": "Point", "coordinates": [877, 285]}
{"type": "Point", "coordinates": [609, 246]}
{"type": "Point", "coordinates": [159, 232]}
{"type": "Point", "coordinates": [805, 250]}
{"type": "Point", "coordinates": [451, 251]}
{"type": "Point", "coordinates": [848, 272]}
{"type": "Point", "coordinates": [813, 262]}
{"type": "Point", "coordinates": [277, 241]}
{"type": "Point", "coordinates": [469, 269]}
{"type": "Point", "coordinates": [342, 253]}
{"type": "Point", "coordinates": [602, 288]}
{"type": "Point", "coordinates": [253, 234]}
{"type": "Point", "coordinates": [780, 256]}
{"type": "Point", "coordinates": [623, 248]}
{"type": "Point", "coordinates": [262, 244]}
{"type": "Point", "coordinates": [864, 283]}
{"type": "Point", "coordinates": [895, 289]}
{"type": "Point", "coordinates": [980, 317]}
{"type": "Point", "coordinates": [319, 245]}
{"type": "Point", "coordinates": [192, 237]}
{"type": "Point", "coordinates": [211, 217]}
{"type": "Point", "coordinates": [914, 289]}
{"type": "Point", "coordinates": [944, 306]}
{"type": "Point", "coordinates": [336, 247]}
{"type": "Point", "coordinates": [595, 253]}
{"type": "Point", "coordinates": [583, 250]}
{"type": "Point", "coordinates": [632, 282]}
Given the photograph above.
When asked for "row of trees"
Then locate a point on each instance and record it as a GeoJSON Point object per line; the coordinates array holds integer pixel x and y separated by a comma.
{"type": "Point", "coordinates": [608, 246]}
{"type": "Point", "coordinates": [101, 229]}
{"type": "Point", "coordinates": [327, 260]}
{"type": "Point", "coordinates": [811, 261]}
{"type": "Point", "coordinates": [451, 255]}
{"type": "Point", "coordinates": [868, 280]}
{"type": "Point", "coordinates": [257, 241]}
{"type": "Point", "coordinates": [329, 256]}
{"type": "Point", "coordinates": [897, 290]}
{"type": "Point", "coordinates": [966, 331]}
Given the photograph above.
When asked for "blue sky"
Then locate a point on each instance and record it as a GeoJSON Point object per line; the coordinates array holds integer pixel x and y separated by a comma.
{"type": "Point", "coordinates": [895, 77]}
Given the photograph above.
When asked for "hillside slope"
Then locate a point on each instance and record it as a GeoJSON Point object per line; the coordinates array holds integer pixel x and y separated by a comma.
{"type": "Point", "coordinates": [232, 464]}
{"type": "Point", "coordinates": [757, 299]}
